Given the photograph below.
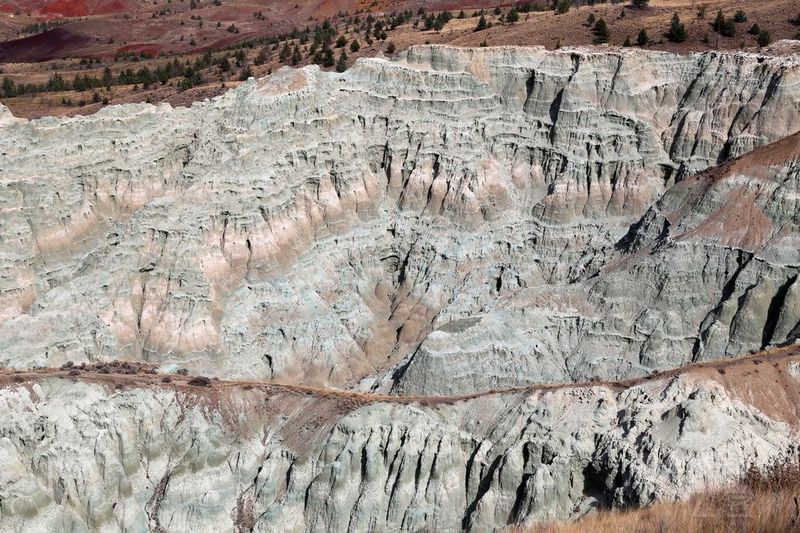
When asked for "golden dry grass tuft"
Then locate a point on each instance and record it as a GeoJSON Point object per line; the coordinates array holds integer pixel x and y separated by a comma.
{"type": "Point", "coordinates": [765, 501]}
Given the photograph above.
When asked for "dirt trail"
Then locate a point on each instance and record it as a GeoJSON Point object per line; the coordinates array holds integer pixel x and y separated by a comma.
{"type": "Point", "coordinates": [731, 373]}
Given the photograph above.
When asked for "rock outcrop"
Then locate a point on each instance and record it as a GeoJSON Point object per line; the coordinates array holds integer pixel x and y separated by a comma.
{"type": "Point", "coordinates": [452, 222]}
{"type": "Point", "coordinates": [323, 228]}
{"type": "Point", "coordinates": [109, 453]}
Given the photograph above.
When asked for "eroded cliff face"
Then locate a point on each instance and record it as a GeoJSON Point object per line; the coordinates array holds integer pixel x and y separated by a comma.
{"type": "Point", "coordinates": [326, 228]}
{"type": "Point", "coordinates": [452, 222]}
{"type": "Point", "coordinates": [115, 452]}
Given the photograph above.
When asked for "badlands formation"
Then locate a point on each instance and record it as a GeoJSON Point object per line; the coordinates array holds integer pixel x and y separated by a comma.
{"type": "Point", "coordinates": [472, 268]}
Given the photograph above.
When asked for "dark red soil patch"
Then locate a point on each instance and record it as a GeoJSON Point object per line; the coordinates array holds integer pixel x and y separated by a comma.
{"type": "Point", "coordinates": [224, 42]}
{"type": "Point", "coordinates": [51, 44]}
{"type": "Point", "coordinates": [81, 8]}
{"type": "Point", "coordinates": [66, 8]}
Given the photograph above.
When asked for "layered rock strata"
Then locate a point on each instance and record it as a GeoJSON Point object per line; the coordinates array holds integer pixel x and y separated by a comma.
{"type": "Point", "coordinates": [329, 228]}
{"type": "Point", "coordinates": [105, 452]}
{"type": "Point", "coordinates": [441, 233]}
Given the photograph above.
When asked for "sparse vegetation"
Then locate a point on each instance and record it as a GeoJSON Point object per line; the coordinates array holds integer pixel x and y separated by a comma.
{"type": "Point", "coordinates": [43, 26]}
{"type": "Point", "coordinates": [316, 42]}
{"type": "Point", "coordinates": [562, 6]}
{"type": "Point", "coordinates": [199, 381]}
{"type": "Point", "coordinates": [512, 16]}
{"type": "Point", "coordinates": [341, 63]}
{"type": "Point", "coordinates": [263, 56]}
{"type": "Point", "coordinates": [600, 30]}
{"type": "Point", "coordinates": [724, 26]}
{"type": "Point", "coordinates": [285, 52]}
{"type": "Point", "coordinates": [9, 90]}
{"type": "Point", "coordinates": [677, 30]}
{"type": "Point", "coordinates": [765, 500]}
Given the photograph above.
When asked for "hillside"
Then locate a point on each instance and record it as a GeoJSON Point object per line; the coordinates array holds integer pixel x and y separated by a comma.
{"type": "Point", "coordinates": [461, 288]}
{"type": "Point", "coordinates": [83, 39]}
{"type": "Point", "coordinates": [115, 447]}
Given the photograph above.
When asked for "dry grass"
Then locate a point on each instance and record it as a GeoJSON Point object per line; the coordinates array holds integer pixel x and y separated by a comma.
{"type": "Point", "coordinates": [765, 501]}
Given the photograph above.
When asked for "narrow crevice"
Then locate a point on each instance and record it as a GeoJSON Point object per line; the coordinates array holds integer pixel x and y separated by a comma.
{"type": "Point", "coordinates": [483, 487]}
{"type": "Point", "coordinates": [742, 260]}
{"type": "Point", "coordinates": [773, 313]}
